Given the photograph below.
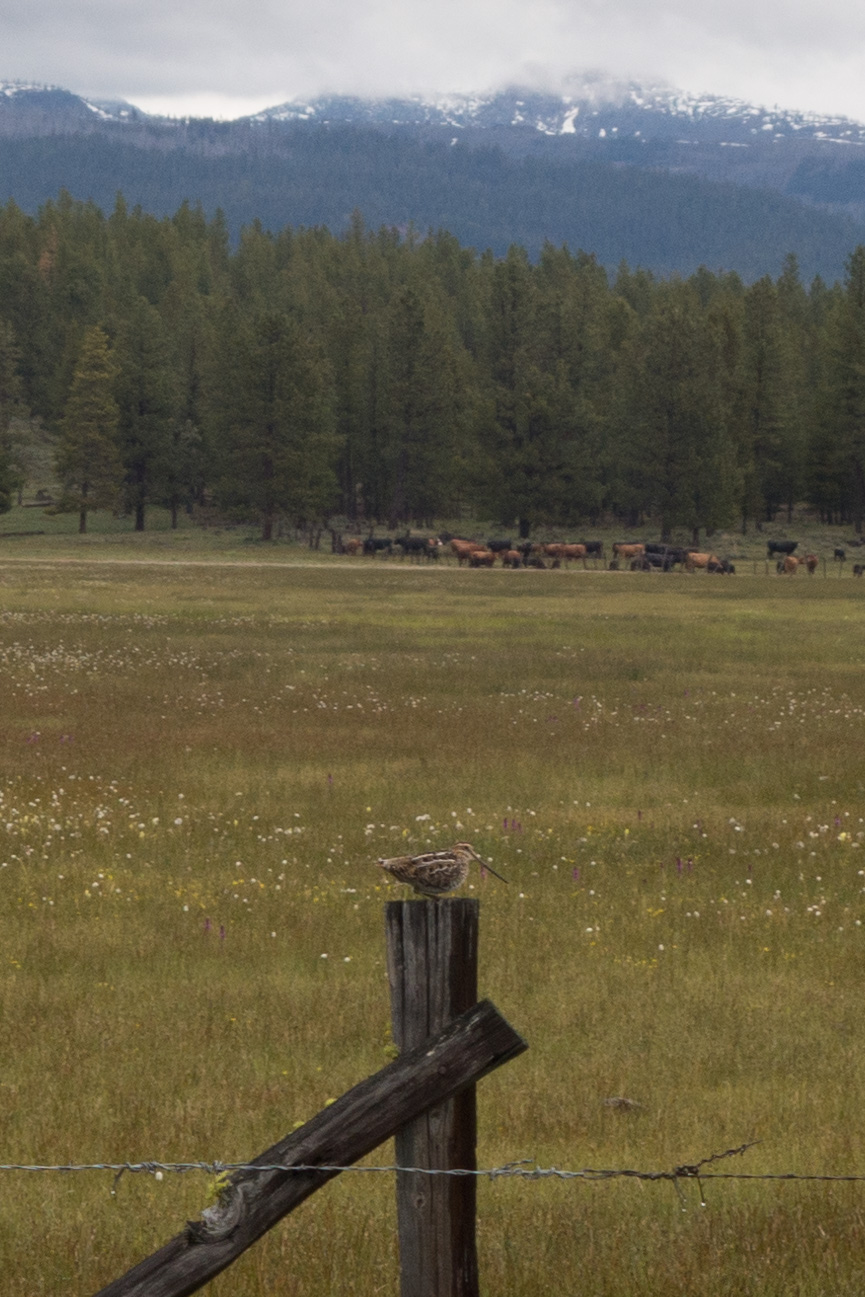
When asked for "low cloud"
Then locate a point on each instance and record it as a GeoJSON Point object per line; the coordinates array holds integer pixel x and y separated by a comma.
{"type": "Point", "coordinates": [226, 58]}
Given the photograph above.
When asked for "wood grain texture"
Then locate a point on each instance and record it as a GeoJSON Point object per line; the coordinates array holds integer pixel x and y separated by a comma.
{"type": "Point", "coordinates": [432, 949]}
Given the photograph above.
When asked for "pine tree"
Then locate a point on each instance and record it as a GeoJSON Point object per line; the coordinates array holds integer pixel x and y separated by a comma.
{"type": "Point", "coordinates": [273, 422]}
{"type": "Point", "coordinates": [16, 450]}
{"type": "Point", "coordinates": [845, 409]}
{"type": "Point", "coordinates": [527, 415]}
{"type": "Point", "coordinates": [88, 459]}
{"type": "Point", "coordinates": [7, 483]}
{"type": "Point", "coordinates": [11, 468]}
{"type": "Point", "coordinates": [676, 457]}
{"type": "Point", "coordinates": [773, 397]}
{"type": "Point", "coordinates": [185, 316]}
{"type": "Point", "coordinates": [423, 406]}
{"type": "Point", "coordinates": [146, 392]}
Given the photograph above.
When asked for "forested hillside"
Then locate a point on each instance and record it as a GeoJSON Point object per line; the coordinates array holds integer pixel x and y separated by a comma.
{"type": "Point", "coordinates": [393, 378]}
{"type": "Point", "coordinates": [314, 175]}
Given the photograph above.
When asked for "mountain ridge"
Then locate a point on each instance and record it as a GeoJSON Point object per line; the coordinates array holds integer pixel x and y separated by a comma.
{"type": "Point", "coordinates": [583, 113]}
{"type": "Point", "coordinates": [312, 161]}
{"type": "Point", "coordinates": [595, 107]}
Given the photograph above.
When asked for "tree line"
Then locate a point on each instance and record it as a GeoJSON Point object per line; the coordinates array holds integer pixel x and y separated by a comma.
{"type": "Point", "coordinates": [392, 377]}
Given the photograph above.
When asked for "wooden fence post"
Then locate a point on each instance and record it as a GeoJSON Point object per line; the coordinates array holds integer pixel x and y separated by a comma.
{"type": "Point", "coordinates": [432, 962]}
{"type": "Point", "coordinates": [254, 1199]}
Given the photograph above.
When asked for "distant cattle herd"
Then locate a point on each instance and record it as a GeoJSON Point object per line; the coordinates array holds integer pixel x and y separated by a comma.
{"type": "Point", "coordinates": [642, 556]}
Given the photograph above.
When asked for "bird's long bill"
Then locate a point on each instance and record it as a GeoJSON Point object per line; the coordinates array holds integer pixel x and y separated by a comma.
{"type": "Point", "coordinates": [486, 865]}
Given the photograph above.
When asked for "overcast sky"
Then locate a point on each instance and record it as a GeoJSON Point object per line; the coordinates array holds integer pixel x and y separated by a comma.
{"type": "Point", "coordinates": [225, 58]}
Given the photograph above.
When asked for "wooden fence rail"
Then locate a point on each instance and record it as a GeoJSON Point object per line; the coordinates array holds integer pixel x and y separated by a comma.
{"type": "Point", "coordinates": [430, 1074]}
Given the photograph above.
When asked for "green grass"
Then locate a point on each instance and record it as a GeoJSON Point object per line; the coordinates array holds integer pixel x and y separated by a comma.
{"type": "Point", "coordinates": [32, 528]}
{"type": "Point", "coordinates": [189, 746]}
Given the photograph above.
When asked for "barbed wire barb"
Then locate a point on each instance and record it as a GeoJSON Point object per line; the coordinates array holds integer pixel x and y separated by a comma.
{"type": "Point", "coordinates": [693, 1172]}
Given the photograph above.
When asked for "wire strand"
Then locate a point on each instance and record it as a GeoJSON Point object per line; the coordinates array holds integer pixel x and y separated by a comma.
{"type": "Point", "coordinates": [522, 1169]}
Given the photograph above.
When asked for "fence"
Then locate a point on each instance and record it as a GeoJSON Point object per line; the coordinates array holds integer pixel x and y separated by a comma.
{"type": "Point", "coordinates": [426, 1099]}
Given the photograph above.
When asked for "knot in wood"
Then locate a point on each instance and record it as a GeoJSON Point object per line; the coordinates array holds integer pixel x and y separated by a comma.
{"type": "Point", "coordinates": [220, 1220]}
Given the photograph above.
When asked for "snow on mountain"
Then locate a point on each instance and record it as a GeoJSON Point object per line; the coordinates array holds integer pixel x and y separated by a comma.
{"type": "Point", "coordinates": [592, 110]}
{"type": "Point", "coordinates": [114, 110]}
{"type": "Point", "coordinates": [22, 96]}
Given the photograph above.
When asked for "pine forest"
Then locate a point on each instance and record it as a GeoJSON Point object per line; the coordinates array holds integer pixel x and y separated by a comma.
{"type": "Point", "coordinates": [396, 378]}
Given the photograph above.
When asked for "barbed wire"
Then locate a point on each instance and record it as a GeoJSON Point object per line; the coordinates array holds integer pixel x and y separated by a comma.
{"type": "Point", "coordinates": [522, 1169]}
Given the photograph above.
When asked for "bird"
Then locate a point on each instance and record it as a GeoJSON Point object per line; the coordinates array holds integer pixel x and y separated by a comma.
{"type": "Point", "coordinates": [436, 872]}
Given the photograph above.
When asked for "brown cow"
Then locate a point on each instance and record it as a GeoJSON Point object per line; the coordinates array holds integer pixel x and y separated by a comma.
{"type": "Point", "coordinates": [574, 552]}
{"type": "Point", "coordinates": [560, 550]}
{"type": "Point", "coordinates": [621, 550]}
{"type": "Point", "coordinates": [464, 549]}
{"type": "Point", "coordinates": [481, 558]}
{"type": "Point", "coordinates": [811, 561]}
{"type": "Point", "coordinates": [353, 546]}
{"type": "Point", "coordinates": [512, 558]}
{"type": "Point", "coordinates": [789, 565]}
{"type": "Point", "coordinates": [694, 561]}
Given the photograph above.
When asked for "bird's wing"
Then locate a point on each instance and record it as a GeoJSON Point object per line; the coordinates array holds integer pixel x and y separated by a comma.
{"type": "Point", "coordinates": [432, 858]}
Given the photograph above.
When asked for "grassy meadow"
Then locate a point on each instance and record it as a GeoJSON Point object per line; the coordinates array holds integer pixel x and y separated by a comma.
{"type": "Point", "coordinates": [201, 760]}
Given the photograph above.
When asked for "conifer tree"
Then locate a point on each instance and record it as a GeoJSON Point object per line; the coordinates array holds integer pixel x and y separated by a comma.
{"type": "Point", "coordinates": [423, 406]}
{"type": "Point", "coordinates": [524, 427]}
{"type": "Point", "coordinates": [772, 400]}
{"type": "Point", "coordinates": [272, 419]}
{"type": "Point", "coordinates": [11, 469]}
{"type": "Point", "coordinates": [675, 454]}
{"type": "Point", "coordinates": [146, 392]}
{"type": "Point", "coordinates": [844, 413]}
{"type": "Point", "coordinates": [88, 459]}
{"type": "Point", "coordinates": [7, 483]}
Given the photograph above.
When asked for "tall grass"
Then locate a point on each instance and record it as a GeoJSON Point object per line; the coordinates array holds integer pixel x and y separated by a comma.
{"type": "Point", "coordinates": [198, 768]}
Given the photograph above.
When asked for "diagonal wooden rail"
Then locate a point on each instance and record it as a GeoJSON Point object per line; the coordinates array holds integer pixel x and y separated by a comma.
{"type": "Point", "coordinates": [469, 1047]}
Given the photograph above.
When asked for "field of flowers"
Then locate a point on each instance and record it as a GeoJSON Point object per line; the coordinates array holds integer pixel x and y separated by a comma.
{"type": "Point", "coordinates": [200, 764]}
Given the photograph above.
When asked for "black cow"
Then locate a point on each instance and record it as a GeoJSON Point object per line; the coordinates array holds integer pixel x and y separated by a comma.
{"type": "Point", "coordinates": [377, 545]}
{"type": "Point", "coordinates": [782, 547]}
{"type": "Point", "coordinates": [665, 556]}
{"type": "Point", "coordinates": [594, 548]}
{"type": "Point", "coordinates": [418, 547]}
{"type": "Point", "coordinates": [499, 546]}
{"type": "Point", "coordinates": [840, 555]}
